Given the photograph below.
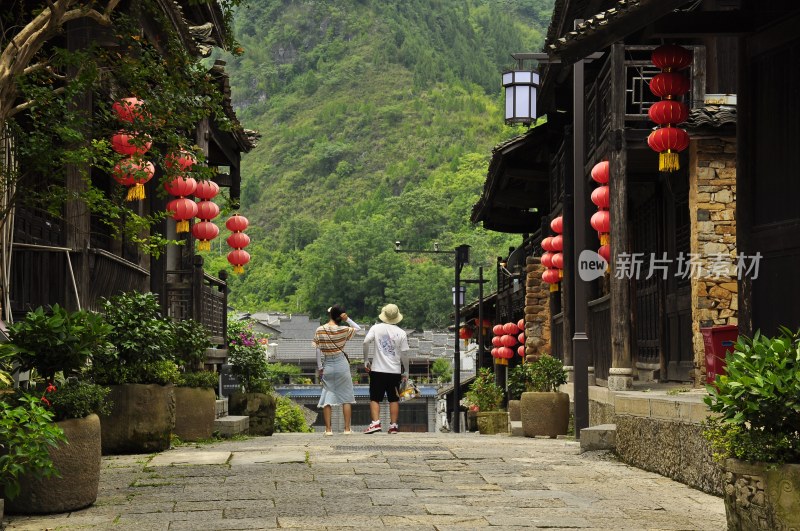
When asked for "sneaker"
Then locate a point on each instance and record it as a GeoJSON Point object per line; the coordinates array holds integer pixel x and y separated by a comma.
{"type": "Point", "coordinates": [347, 432]}
{"type": "Point", "coordinates": [373, 427]}
{"type": "Point", "coordinates": [393, 428]}
{"type": "Point", "coordinates": [328, 434]}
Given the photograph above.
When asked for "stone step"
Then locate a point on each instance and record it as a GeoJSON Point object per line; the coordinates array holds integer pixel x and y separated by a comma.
{"type": "Point", "coordinates": [222, 407]}
{"type": "Point", "coordinates": [601, 437]}
{"type": "Point", "coordinates": [516, 428]}
{"type": "Point", "coordinates": [231, 425]}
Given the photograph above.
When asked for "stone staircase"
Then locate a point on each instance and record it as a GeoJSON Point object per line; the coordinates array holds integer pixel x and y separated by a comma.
{"type": "Point", "coordinates": [230, 425]}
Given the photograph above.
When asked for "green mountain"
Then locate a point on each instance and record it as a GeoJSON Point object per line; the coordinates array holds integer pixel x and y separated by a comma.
{"type": "Point", "coordinates": [378, 118]}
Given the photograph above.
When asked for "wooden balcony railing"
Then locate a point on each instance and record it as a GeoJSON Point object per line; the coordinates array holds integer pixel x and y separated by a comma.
{"type": "Point", "coordinates": [194, 294]}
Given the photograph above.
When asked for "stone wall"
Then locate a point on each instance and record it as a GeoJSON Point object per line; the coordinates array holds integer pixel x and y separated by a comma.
{"type": "Point", "coordinates": [537, 310]}
{"type": "Point", "coordinates": [712, 209]}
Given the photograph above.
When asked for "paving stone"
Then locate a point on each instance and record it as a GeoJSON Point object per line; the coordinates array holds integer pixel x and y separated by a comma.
{"type": "Point", "coordinates": [172, 457]}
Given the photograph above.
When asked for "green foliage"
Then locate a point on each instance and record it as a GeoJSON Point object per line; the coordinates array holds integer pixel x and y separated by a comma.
{"type": "Point", "coordinates": [191, 342]}
{"type": "Point", "coordinates": [205, 379]}
{"type": "Point", "coordinates": [484, 392]}
{"type": "Point", "coordinates": [56, 340]}
{"type": "Point", "coordinates": [758, 400]}
{"type": "Point", "coordinates": [75, 400]}
{"type": "Point", "coordinates": [26, 432]}
{"type": "Point", "coordinates": [289, 417]}
{"type": "Point", "coordinates": [545, 374]}
{"type": "Point", "coordinates": [278, 373]}
{"type": "Point", "coordinates": [442, 370]}
{"type": "Point", "coordinates": [247, 357]}
{"type": "Point", "coordinates": [518, 380]}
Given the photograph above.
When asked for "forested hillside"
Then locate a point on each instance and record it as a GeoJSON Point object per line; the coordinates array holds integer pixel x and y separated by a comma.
{"type": "Point", "coordinates": [378, 118]}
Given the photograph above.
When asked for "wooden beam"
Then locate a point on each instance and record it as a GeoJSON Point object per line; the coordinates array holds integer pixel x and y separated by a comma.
{"type": "Point", "coordinates": [526, 174]}
{"type": "Point", "coordinates": [521, 199]}
{"type": "Point", "coordinates": [702, 23]}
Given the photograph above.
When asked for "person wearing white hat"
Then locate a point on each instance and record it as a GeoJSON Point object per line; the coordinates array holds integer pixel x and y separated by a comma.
{"type": "Point", "coordinates": [388, 368]}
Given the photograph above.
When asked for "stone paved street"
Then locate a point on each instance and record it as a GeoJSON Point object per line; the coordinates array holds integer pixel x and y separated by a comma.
{"type": "Point", "coordinates": [410, 481]}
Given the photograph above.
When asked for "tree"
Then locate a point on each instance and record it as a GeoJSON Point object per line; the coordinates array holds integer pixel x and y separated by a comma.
{"type": "Point", "coordinates": [442, 370]}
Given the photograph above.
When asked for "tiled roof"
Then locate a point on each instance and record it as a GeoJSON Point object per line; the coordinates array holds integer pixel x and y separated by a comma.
{"type": "Point", "coordinates": [711, 116]}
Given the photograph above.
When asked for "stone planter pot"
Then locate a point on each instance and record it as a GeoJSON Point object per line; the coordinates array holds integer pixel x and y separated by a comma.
{"type": "Point", "coordinates": [141, 420]}
{"type": "Point", "coordinates": [78, 462]}
{"type": "Point", "coordinates": [514, 414]}
{"type": "Point", "coordinates": [544, 414]}
{"type": "Point", "coordinates": [472, 421]}
{"type": "Point", "coordinates": [195, 412]}
{"type": "Point", "coordinates": [260, 407]}
{"type": "Point", "coordinates": [492, 422]}
{"type": "Point", "coordinates": [761, 496]}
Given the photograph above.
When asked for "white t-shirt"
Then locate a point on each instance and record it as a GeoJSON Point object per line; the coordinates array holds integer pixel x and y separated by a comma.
{"type": "Point", "coordinates": [391, 344]}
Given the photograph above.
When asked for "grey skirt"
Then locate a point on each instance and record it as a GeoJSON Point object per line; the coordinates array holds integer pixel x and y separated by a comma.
{"type": "Point", "coordinates": [337, 382]}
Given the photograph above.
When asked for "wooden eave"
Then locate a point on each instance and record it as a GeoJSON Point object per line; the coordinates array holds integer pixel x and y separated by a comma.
{"type": "Point", "coordinates": [245, 140]}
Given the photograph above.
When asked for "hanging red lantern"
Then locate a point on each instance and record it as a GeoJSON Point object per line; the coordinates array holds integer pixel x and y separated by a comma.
{"type": "Point", "coordinates": [182, 210]}
{"type": "Point", "coordinates": [547, 259]}
{"type": "Point", "coordinates": [237, 223]}
{"type": "Point", "coordinates": [557, 243]}
{"type": "Point", "coordinates": [128, 109]}
{"type": "Point", "coordinates": [669, 85]}
{"type": "Point", "coordinates": [238, 258]}
{"type": "Point", "coordinates": [126, 144]}
{"type": "Point", "coordinates": [181, 161]}
{"type": "Point", "coordinates": [206, 190]}
{"type": "Point", "coordinates": [204, 232]}
{"type": "Point", "coordinates": [551, 276]}
{"type": "Point", "coordinates": [671, 57]}
{"type": "Point", "coordinates": [180, 186]}
{"type": "Point", "coordinates": [494, 352]}
{"type": "Point", "coordinates": [547, 243]}
{"type": "Point", "coordinates": [668, 112]}
{"type": "Point", "coordinates": [465, 333]}
{"type": "Point", "coordinates": [497, 330]}
{"type": "Point", "coordinates": [601, 196]}
{"type": "Point", "coordinates": [558, 260]}
{"type": "Point", "coordinates": [134, 173]}
{"type": "Point", "coordinates": [600, 172]}
{"type": "Point", "coordinates": [605, 252]}
{"type": "Point", "coordinates": [503, 355]}
{"type": "Point", "coordinates": [557, 226]}
{"type": "Point", "coordinates": [510, 328]}
{"type": "Point", "coordinates": [601, 221]}
{"type": "Point", "coordinates": [668, 142]}
{"type": "Point", "coordinates": [521, 324]}
{"type": "Point", "coordinates": [496, 341]}
{"type": "Point", "coordinates": [521, 351]}
{"type": "Point", "coordinates": [521, 338]}
{"type": "Point", "coordinates": [238, 240]}
{"type": "Point", "coordinates": [207, 210]}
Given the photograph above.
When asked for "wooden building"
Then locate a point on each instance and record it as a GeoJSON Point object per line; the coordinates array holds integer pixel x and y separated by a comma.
{"type": "Point", "coordinates": [718, 239]}
{"type": "Point", "coordinates": [70, 257]}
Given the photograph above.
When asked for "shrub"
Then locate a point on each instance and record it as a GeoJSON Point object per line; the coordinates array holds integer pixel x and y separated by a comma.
{"type": "Point", "coordinates": [191, 342]}
{"type": "Point", "coordinates": [76, 400]}
{"type": "Point", "coordinates": [484, 393]}
{"type": "Point", "coordinates": [517, 381]}
{"type": "Point", "coordinates": [247, 357]}
{"type": "Point", "coordinates": [289, 417]}
{"type": "Point", "coordinates": [442, 370]}
{"type": "Point", "coordinates": [278, 373]}
{"type": "Point", "coordinates": [205, 379]}
{"type": "Point", "coordinates": [758, 400]}
{"type": "Point", "coordinates": [545, 374]}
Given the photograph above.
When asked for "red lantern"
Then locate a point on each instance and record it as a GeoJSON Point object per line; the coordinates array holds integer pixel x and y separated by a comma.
{"type": "Point", "coordinates": [605, 252]}
{"type": "Point", "coordinates": [207, 210]}
{"type": "Point", "coordinates": [128, 109]}
{"type": "Point", "coordinates": [180, 186]}
{"type": "Point", "coordinates": [237, 223]}
{"type": "Point", "coordinates": [134, 173]}
{"type": "Point", "coordinates": [551, 276]}
{"type": "Point", "coordinates": [557, 243]}
{"type": "Point", "coordinates": [205, 231]}
{"type": "Point", "coordinates": [558, 261]}
{"type": "Point", "coordinates": [521, 337]}
{"type": "Point", "coordinates": [238, 258]}
{"type": "Point", "coordinates": [505, 353]}
{"type": "Point", "coordinates": [521, 324]}
{"type": "Point", "coordinates": [494, 352]}
{"type": "Point", "coordinates": [557, 226]}
{"type": "Point", "coordinates": [547, 243]}
{"type": "Point", "coordinates": [126, 144]}
{"type": "Point", "coordinates": [182, 210]}
{"type": "Point", "coordinates": [496, 341]}
{"type": "Point", "coordinates": [600, 172]}
{"type": "Point", "coordinates": [238, 240]}
{"type": "Point", "coordinates": [668, 112]}
{"type": "Point", "coordinates": [601, 221]}
{"type": "Point", "coordinates": [510, 328]}
{"type": "Point", "coordinates": [508, 340]}
{"type": "Point", "coordinates": [206, 190]}
{"type": "Point", "coordinates": [497, 330]}
{"type": "Point", "coordinates": [521, 351]}
{"type": "Point", "coordinates": [179, 162]}
{"type": "Point", "coordinates": [669, 85]}
{"type": "Point", "coordinates": [465, 333]}
{"type": "Point", "coordinates": [670, 57]}
{"type": "Point", "coordinates": [547, 260]}
{"type": "Point", "coordinates": [668, 142]}
{"type": "Point", "coordinates": [601, 196]}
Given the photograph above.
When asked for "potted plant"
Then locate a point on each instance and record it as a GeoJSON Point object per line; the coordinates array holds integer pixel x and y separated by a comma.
{"type": "Point", "coordinates": [58, 344]}
{"type": "Point", "coordinates": [248, 360]}
{"type": "Point", "coordinates": [544, 410]}
{"type": "Point", "coordinates": [756, 433]}
{"type": "Point", "coordinates": [488, 397]}
{"type": "Point", "coordinates": [516, 384]}
{"type": "Point", "coordinates": [141, 372]}
{"type": "Point", "coordinates": [195, 399]}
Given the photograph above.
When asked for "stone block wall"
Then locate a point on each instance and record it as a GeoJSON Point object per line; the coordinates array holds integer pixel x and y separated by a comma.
{"type": "Point", "coordinates": [537, 310]}
{"type": "Point", "coordinates": [712, 210]}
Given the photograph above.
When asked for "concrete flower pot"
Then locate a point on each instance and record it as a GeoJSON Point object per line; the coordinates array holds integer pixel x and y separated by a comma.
{"type": "Point", "coordinates": [195, 411]}
{"type": "Point", "coordinates": [141, 421]}
{"type": "Point", "coordinates": [78, 463]}
{"type": "Point", "coordinates": [544, 414]}
{"type": "Point", "coordinates": [514, 414]}
{"type": "Point", "coordinates": [492, 422]}
{"type": "Point", "coordinates": [760, 496]}
{"type": "Point", "coordinates": [260, 407]}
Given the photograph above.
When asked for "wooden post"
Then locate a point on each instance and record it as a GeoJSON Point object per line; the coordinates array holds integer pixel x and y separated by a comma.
{"type": "Point", "coordinates": [620, 376]}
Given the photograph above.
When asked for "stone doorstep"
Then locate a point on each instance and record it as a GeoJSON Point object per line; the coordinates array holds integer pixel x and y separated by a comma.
{"type": "Point", "coordinates": [232, 425]}
{"type": "Point", "coordinates": [601, 437]}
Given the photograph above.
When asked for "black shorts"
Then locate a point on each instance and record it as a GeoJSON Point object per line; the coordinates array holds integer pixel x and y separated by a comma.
{"type": "Point", "coordinates": [384, 384]}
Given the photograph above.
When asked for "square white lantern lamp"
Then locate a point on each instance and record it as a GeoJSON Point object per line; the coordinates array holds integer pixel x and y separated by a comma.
{"type": "Point", "coordinates": [521, 87]}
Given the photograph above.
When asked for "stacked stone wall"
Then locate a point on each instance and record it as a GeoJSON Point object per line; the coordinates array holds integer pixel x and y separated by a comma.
{"type": "Point", "coordinates": [537, 310]}
{"type": "Point", "coordinates": [712, 207]}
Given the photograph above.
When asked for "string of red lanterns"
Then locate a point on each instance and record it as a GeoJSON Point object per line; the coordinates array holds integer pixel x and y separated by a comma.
{"type": "Point", "coordinates": [205, 231]}
{"type": "Point", "coordinates": [670, 84]}
{"type": "Point", "coordinates": [601, 220]}
{"type": "Point", "coordinates": [238, 240]}
{"type": "Point", "coordinates": [505, 338]}
{"type": "Point", "coordinates": [132, 171]}
{"type": "Point", "coordinates": [553, 258]}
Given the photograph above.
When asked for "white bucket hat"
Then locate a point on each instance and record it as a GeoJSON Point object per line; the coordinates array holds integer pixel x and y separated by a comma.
{"type": "Point", "coordinates": [390, 314]}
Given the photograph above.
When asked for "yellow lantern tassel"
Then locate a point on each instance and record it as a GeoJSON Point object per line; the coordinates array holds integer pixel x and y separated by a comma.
{"type": "Point", "coordinates": [605, 238]}
{"type": "Point", "coordinates": [668, 161]}
{"type": "Point", "coordinates": [553, 287]}
{"type": "Point", "coordinates": [135, 192]}
{"type": "Point", "coordinates": [560, 273]}
{"type": "Point", "coordinates": [501, 361]}
{"type": "Point", "coordinates": [238, 270]}
{"type": "Point", "coordinates": [204, 245]}
{"type": "Point", "coordinates": [182, 226]}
